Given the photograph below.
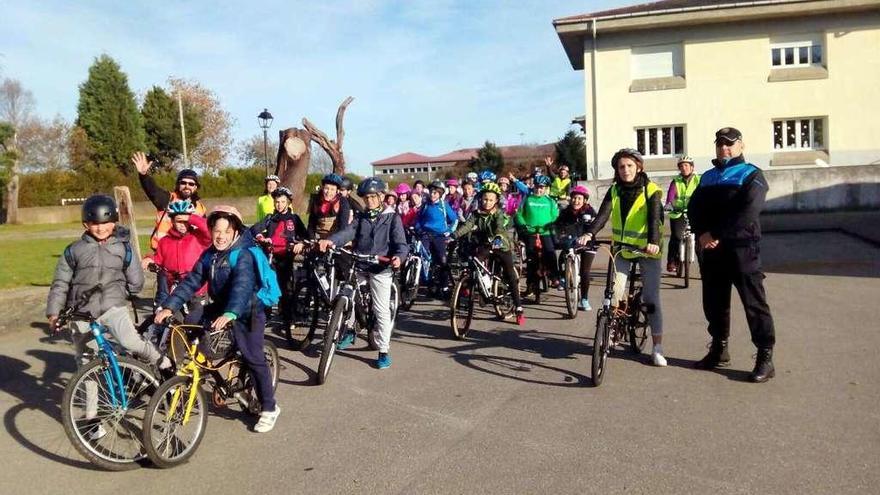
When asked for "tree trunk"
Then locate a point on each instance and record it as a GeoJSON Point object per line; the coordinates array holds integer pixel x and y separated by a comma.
{"type": "Point", "coordinates": [333, 148]}
{"type": "Point", "coordinates": [292, 164]}
{"type": "Point", "coordinates": [12, 198]}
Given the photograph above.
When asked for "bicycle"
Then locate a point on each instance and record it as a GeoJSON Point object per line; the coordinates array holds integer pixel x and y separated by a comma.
{"type": "Point", "coordinates": [687, 251]}
{"type": "Point", "coordinates": [104, 402]}
{"type": "Point", "coordinates": [176, 416]}
{"type": "Point", "coordinates": [624, 325]}
{"type": "Point", "coordinates": [416, 269]}
{"type": "Point", "coordinates": [315, 285]}
{"type": "Point", "coordinates": [485, 283]}
{"type": "Point", "coordinates": [572, 272]}
{"type": "Point", "coordinates": [541, 284]}
{"type": "Point", "coordinates": [352, 301]}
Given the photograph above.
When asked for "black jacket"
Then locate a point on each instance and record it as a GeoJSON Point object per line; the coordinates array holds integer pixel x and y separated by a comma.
{"type": "Point", "coordinates": [628, 194]}
{"type": "Point", "coordinates": [728, 202]}
{"type": "Point", "coordinates": [382, 235]}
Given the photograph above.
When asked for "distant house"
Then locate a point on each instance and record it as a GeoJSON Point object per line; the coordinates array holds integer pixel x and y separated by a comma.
{"type": "Point", "coordinates": [799, 78]}
{"type": "Point", "coordinates": [413, 166]}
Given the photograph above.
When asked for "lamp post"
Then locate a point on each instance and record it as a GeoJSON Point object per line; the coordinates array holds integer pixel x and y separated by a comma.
{"type": "Point", "coordinates": [265, 120]}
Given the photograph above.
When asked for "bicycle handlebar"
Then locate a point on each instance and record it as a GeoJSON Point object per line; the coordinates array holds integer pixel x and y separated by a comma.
{"type": "Point", "coordinates": [371, 259]}
{"type": "Point", "coordinates": [73, 311]}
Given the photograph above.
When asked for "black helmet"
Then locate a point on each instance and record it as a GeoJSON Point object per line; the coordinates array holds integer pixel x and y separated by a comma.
{"type": "Point", "coordinates": [371, 185]}
{"type": "Point", "coordinates": [188, 173]}
{"type": "Point", "coordinates": [439, 185]}
{"type": "Point", "coordinates": [626, 152]}
{"type": "Point", "coordinates": [346, 184]}
{"type": "Point", "coordinates": [100, 209]}
{"type": "Point", "coordinates": [283, 191]}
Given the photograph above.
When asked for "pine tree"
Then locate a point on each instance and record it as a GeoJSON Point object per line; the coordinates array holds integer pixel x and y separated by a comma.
{"type": "Point", "coordinates": [571, 151]}
{"type": "Point", "coordinates": [488, 157]}
{"type": "Point", "coordinates": [162, 126]}
{"type": "Point", "coordinates": [108, 114]}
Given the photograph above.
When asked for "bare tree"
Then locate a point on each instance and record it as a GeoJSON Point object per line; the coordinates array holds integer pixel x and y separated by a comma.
{"type": "Point", "coordinates": [333, 148]}
{"type": "Point", "coordinates": [16, 105]}
{"type": "Point", "coordinates": [321, 162]}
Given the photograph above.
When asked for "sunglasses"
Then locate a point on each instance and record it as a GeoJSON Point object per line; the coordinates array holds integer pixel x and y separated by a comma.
{"type": "Point", "coordinates": [187, 183]}
{"type": "Point", "coordinates": [725, 142]}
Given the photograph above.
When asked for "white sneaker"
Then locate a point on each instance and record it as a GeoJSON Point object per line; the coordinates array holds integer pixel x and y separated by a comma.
{"type": "Point", "coordinates": [98, 433]}
{"type": "Point", "coordinates": [267, 420]}
{"type": "Point", "coordinates": [658, 359]}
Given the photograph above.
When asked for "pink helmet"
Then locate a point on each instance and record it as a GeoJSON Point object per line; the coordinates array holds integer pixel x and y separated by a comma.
{"type": "Point", "coordinates": [452, 182]}
{"type": "Point", "coordinates": [582, 190]}
{"type": "Point", "coordinates": [403, 188]}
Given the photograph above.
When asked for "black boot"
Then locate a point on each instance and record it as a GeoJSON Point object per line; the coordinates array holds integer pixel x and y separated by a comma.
{"type": "Point", "coordinates": [764, 369]}
{"type": "Point", "coordinates": [717, 357]}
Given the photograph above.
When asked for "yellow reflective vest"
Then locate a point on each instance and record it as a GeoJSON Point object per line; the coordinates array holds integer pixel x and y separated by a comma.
{"type": "Point", "coordinates": [683, 192]}
{"type": "Point", "coordinates": [634, 228]}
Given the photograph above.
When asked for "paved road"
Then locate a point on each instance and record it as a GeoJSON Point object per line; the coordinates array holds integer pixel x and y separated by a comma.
{"type": "Point", "coordinates": [512, 410]}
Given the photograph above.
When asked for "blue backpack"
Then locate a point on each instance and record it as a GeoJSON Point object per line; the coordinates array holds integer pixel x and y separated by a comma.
{"type": "Point", "coordinates": [269, 292]}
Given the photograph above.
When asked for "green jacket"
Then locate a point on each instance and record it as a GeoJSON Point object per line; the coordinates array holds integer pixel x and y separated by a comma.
{"type": "Point", "coordinates": [536, 214]}
{"type": "Point", "coordinates": [484, 227]}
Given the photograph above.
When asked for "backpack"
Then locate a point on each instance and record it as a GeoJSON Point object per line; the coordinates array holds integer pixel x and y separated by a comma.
{"type": "Point", "coordinates": [126, 260]}
{"type": "Point", "coordinates": [269, 292]}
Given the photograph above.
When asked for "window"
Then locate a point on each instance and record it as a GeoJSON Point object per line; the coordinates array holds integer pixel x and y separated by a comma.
{"type": "Point", "coordinates": [799, 134]}
{"type": "Point", "coordinates": [648, 62]}
{"type": "Point", "coordinates": [802, 53]}
{"type": "Point", "coordinates": [664, 141]}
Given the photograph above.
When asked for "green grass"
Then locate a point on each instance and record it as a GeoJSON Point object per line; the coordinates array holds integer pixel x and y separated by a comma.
{"type": "Point", "coordinates": [31, 262]}
{"type": "Point", "coordinates": [6, 229]}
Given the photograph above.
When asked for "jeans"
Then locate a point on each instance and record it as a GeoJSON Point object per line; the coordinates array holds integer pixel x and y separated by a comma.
{"type": "Point", "coordinates": [651, 271]}
{"type": "Point", "coordinates": [676, 233]}
{"type": "Point", "coordinates": [436, 245]}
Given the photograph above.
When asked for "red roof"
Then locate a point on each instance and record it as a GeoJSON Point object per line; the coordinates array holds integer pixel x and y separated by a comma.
{"type": "Point", "coordinates": [403, 159]}
{"type": "Point", "coordinates": [456, 156]}
{"type": "Point", "coordinates": [645, 8]}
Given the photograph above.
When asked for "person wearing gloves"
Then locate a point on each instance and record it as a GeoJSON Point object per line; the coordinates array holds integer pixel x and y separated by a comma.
{"type": "Point", "coordinates": [535, 218]}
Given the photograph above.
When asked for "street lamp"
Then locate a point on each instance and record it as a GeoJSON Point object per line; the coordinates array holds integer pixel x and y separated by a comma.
{"type": "Point", "coordinates": [265, 120]}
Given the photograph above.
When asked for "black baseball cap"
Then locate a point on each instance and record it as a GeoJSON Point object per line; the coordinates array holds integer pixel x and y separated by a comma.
{"type": "Point", "coordinates": [728, 134]}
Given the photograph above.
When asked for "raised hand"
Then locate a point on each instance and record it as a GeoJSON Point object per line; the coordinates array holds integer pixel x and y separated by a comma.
{"type": "Point", "coordinates": [141, 163]}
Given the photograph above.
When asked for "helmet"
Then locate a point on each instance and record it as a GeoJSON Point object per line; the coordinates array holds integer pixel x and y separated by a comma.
{"type": "Point", "coordinates": [452, 182]}
{"type": "Point", "coordinates": [180, 207]}
{"type": "Point", "coordinates": [502, 178]}
{"type": "Point", "coordinates": [542, 180]}
{"type": "Point", "coordinates": [188, 173]}
{"type": "Point", "coordinates": [391, 192]}
{"type": "Point", "coordinates": [334, 179]}
{"type": "Point", "coordinates": [437, 184]}
{"type": "Point", "coordinates": [272, 178]}
{"type": "Point", "coordinates": [346, 184]}
{"type": "Point", "coordinates": [492, 188]}
{"type": "Point", "coordinates": [634, 154]}
{"type": "Point", "coordinates": [282, 191]}
{"type": "Point", "coordinates": [582, 190]}
{"type": "Point", "coordinates": [472, 176]}
{"type": "Point", "coordinates": [230, 213]}
{"type": "Point", "coordinates": [371, 185]}
{"type": "Point", "coordinates": [403, 188]}
{"type": "Point", "coordinates": [685, 159]}
{"type": "Point", "coordinates": [488, 175]}
{"type": "Point", "coordinates": [100, 209]}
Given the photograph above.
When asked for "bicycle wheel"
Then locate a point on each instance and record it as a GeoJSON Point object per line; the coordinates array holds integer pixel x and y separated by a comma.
{"type": "Point", "coordinates": [332, 334]}
{"type": "Point", "coordinates": [601, 346]}
{"type": "Point", "coordinates": [688, 259]}
{"type": "Point", "coordinates": [171, 437]}
{"type": "Point", "coordinates": [572, 290]}
{"type": "Point", "coordinates": [105, 433]}
{"type": "Point", "coordinates": [462, 311]}
{"type": "Point", "coordinates": [502, 299]}
{"type": "Point", "coordinates": [410, 287]}
{"type": "Point", "coordinates": [248, 387]}
{"type": "Point", "coordinates": [637, 324]}
{"type": "Point", "coordinates": [303, 302]}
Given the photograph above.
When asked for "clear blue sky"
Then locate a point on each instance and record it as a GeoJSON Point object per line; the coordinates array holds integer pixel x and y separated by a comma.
{"type": "Point", "coordinates": [427, 77]}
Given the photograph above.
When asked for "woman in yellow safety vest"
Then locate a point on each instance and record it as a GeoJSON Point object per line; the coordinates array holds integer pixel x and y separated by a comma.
{"type": "Point", "coordinates": [679, 195]}
{"type": "Point", "coordinates": [635, 206]}
{"type": "Point", "coordinates": [266, 203]}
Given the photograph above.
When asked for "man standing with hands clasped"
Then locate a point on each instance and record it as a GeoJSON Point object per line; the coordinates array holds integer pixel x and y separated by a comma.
{"type": "Point", "coordinates": [724, 213]}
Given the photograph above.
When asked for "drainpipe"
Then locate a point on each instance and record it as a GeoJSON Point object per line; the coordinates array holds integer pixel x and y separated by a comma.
{"type": "Point", "coordinates": [595, 106]}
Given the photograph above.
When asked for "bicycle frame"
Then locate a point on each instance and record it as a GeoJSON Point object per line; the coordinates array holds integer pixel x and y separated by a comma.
{"type": "Point", "coordinates": [687, 243]}
{"type": "Point", "coordinates": [106, 352]}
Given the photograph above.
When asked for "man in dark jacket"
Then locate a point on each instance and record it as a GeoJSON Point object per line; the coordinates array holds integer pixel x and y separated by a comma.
{"type": "Point", "coordinates": [378, 231]}
{"type": "Point", "coordinates": [724, 214]}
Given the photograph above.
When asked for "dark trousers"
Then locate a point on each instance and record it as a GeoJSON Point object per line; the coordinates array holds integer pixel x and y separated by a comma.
{"type": "Point", "coordinates": [676, 232]}
{"type": "Point", "coordinates": [284, 271]}
{"type": "Point", "coordinates": [436, 245]}
{"type": "Point", "coordinates": [506, 260]}
{"type": "Point", "coordinates": [740, 267]}
{"type": "Point", "coordinates": [547, 257]}
{"type": "Point", "coordinates": [586, 265]}
{"type": "Point", "coordinates": [248, 336]}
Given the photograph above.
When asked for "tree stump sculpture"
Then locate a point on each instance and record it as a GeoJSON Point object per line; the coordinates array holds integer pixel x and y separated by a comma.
{"type": "Point", "coordinates": [292, 163]}
{"type": "Point", "coordinates": [333, 148]}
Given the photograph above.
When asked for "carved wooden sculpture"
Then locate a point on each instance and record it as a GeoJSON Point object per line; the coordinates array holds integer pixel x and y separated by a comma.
{"type": "Point", "coordinates": [333, 148]}
{"type": "Point", "coordinates": [292, 163]}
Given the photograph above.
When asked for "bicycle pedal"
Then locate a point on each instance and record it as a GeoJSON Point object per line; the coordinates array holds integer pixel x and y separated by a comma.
{"type": "Point", "coordinates": [218, 399]}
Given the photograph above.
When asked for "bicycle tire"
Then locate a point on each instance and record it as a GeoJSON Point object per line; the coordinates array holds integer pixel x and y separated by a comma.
{"type": "Point", "coordinates": [462, 307]}
{"type": "Point", "coordinates": [105, 458]}
{"type": "Point", "coordinates": [687, 261]}
{"type": "Point", "coordinates": [254, 407]}
{"type": "Point", "coordinates": [158, 408]}
{"type": "Point", "coordinates": [600, 347]}
{"type": "Point", "coordinates": [502, 299]}
{"type": "Point", "coordinates": [331, 337]}
{"type": "Point", "coordinates": [410, 287]}
{"type": "Point", "coordinates": [297, 333]}
{"type": "Point", "coordinates": [571, 288]}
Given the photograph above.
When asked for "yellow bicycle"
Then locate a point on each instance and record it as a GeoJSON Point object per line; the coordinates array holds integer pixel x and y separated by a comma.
{"type": "Point", "coordinates": [176, 416]}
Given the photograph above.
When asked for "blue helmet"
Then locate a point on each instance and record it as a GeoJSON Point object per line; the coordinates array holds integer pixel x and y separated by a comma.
{"type": "Point", "coordinates": [283, 191]}
{"type": "Point", "coordinates": [371, 185]}
{"type": "Point", "coordinates": [334, 179]}
{"type": "Point", "coordinates": [488, 175]}
{"type": "Point", "coordinates": [180, 207]}
{"type": "Point", "coordinates": [542, 180]}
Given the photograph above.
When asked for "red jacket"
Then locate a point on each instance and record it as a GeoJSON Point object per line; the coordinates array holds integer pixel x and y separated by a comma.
{"type": "Point", "coordinates": [177, 253]}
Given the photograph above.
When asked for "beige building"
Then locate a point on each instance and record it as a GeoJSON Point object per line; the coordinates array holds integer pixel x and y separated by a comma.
{"type": "Point", "coordinates": [799, 78]}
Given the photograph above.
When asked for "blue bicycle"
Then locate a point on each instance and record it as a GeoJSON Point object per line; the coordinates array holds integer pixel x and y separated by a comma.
{"type": "Point", "coordinates": [104, 403]}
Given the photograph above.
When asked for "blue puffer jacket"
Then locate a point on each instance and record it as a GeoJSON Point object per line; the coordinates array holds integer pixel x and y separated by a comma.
{"type": "Point", "coordinates": [231, 289]}
{"type": "Point", "coordinates": [381, 236]}
{"type": "Point", "coordinates": [436, 218]}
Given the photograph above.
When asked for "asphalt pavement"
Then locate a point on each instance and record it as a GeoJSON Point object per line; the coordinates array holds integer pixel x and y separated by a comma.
{"type": "Point", "coordinates": [513, 410]}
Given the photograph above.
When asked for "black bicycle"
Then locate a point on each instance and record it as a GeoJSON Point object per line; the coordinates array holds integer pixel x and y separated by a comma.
{"type": "Point", "coordinates": [314, 287]}
{"type": "Point", "coordinates": [482, 282]}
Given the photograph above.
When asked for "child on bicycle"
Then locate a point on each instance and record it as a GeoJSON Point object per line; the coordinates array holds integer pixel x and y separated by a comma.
{"type": "Point", "coordinates": [435, 224]}
{"type": "Point", "coordinates": [233, 293]}
{"type": "Point", "coordinates": [276, 233]}
{"type": "Point", "coordinates": [488, 227]}
{"type": "Point", "coordinates": [101, 256]}
{"type": "Point", "coordinates": [377, 231]}
{"type": "Point", "coordinates": [328, 210]}
{"type": "Point", "coordinates": [634, 204]}
{"type": "Point", "coordinates": [571, 225]}
{"type": "Point", "coordinates": [678, 196]}
{"type": "Point", "coordinates": [534, 219]}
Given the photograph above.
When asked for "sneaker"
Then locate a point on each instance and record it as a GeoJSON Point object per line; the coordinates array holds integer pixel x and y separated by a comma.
{"type": "Point", "coordinates": [384, 361]}
{"type": "Point", "coordinates": [346, 342]}
{"type": "Point", "coordinates": [585, 305]}
{"type": "Point", "coordinates": [520, 319]}
{"type": "Point", "coordinates": [561, 284]}
{"type": "Point", "coordinates": [98, 433]}
{"type": "Point", "coordinates": [267, 420]}
{"type": "Point", "coordinates": [671, 267]}
{"type": "Point", "coordinates": [658, 359]}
